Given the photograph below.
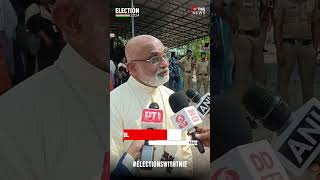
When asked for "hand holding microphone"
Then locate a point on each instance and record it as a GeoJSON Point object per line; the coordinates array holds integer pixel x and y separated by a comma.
{"type": "Point", "coordinates": [185, 118]}
{"type": "Point", "coordinates": [203, 134]}
{"type": "Point", "coordinates": [134, 149]}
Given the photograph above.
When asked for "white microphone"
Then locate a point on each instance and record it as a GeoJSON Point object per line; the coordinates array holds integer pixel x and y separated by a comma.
{"type": "Point", "coordinates": [249, 162]}
{"type": "Point", "coordinates": [203, 103]}
{"type": "Point", "coordinates": [298, 141]}
{"type": "Point", "coordinates": [186, 117]}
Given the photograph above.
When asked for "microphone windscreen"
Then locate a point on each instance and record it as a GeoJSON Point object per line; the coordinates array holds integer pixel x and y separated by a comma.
{"type": "Point", "coordinates": [258, 101]}
{"type": "Point", "coordinates": [272, 110]}
{"type": "Point", "coordinates": [178, 101]}
{"type": "Point", "coordinates": [154, 106]}
{"type": "Point", "coordinates": [229, 127]}
{"type": "Point", "coordinates": [193, 95]}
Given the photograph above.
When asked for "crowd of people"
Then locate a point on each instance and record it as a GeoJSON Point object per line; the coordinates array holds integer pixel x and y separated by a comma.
{"type": "Point", "coordinates": [182, 71]}
{"type": "Point", "coordinates": [30, 41]}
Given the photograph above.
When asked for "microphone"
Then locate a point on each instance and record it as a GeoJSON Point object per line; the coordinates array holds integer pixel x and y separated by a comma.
{"type": "Point", "coordinates": [249, 162]}
{"type": "Point", "coordinates": [203, 103]}
{"type": "Point", "coordinates": [234, 156]}
{"type": "Point", "coordinates": [185, 117]}
{"type": "Point", "coordinates": [298, 142]}
{"type": "Point", "coordinates": [152, 118]}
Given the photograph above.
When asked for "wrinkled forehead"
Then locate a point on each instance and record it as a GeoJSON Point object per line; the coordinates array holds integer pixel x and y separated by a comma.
{"type": "Point", "coordinates": [146, 48]}
{"type": "Point", "coordinates": [154, 48]}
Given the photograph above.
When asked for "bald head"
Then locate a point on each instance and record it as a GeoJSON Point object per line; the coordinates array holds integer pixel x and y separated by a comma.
{"type": "Point", "coordinates": [138, 51]}
{"type": "Point", "coordinates": [141, 46]}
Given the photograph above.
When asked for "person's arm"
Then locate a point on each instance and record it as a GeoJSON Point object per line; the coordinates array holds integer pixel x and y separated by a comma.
{"type": "Point", "coordinates": [193, 65]}
{"type": "Point", "coordinates": [197, 68]}
{"type": "Point", "coordinates": [208, 68]}
{"type": "Point", "coordinates": [181, 63]}
{"type": "Point", "coordinates": [125, 164]}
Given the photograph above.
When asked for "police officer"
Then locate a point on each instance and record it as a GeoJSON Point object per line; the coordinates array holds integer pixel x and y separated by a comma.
{"type": "Point", "coordinates": [296, 20]}
{"type": "Point", "coordinates": [248, 22]}
{"type": "Point", "coordinates": [202, 69]}
{"type": "Point", "coordinates": [188, 68]}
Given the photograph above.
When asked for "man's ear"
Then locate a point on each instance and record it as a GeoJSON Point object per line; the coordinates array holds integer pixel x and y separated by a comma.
{"type": "Point", "coordinates": [132, 68]}
{"type": "Point", "coordinates": [67, 17]}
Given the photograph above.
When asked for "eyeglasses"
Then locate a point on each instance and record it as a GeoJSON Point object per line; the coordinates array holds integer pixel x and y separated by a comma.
{"type": "Point", "coordinates": [156, 59]}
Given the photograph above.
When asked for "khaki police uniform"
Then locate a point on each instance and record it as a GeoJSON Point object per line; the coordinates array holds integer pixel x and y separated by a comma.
{"type": "Point", "coordinates": [297, 43]}
{"type": "Point", "coordinates": [202, 75]}
{"type": "Point", "coordinates": [248, 42]}
{"type": "Point", "coordinates": [188, 71]}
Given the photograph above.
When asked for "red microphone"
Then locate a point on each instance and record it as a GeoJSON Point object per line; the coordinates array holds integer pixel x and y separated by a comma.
{"type": "Point", "coordinates": [152, 118]}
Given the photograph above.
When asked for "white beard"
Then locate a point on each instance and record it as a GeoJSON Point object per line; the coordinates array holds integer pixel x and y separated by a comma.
{"type": "Point", "coordinates": [154, 81]}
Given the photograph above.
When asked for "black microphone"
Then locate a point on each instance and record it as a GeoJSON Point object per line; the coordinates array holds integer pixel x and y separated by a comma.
{"type": "Point", "coordinates": [193, 95]}
{"type": "Point", "coordinates": [273, 111]}
{"type": "Point", "coordinates": [190, 118]}
{"type": "Point", "coordinates": [203, 103]}
{"type": "Point", "coordinates": [298, 141]}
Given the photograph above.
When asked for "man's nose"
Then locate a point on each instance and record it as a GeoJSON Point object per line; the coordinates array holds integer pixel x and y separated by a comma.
{"type": "Point", "coordinates": [164, 63]}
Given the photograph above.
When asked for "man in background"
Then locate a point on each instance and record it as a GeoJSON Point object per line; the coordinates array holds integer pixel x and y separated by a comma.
{"type": "Point", "coordinates": [203, 72]}
{"type": "Point", "coordinates": [174, 73]}
{"type": "Point", "coordinates": [297, 41]}
{"type": "Point", "coordinates": [188, 69]}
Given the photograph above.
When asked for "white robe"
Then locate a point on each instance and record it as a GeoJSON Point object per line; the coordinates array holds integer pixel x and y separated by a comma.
{"type": "Point", "coordinates": [126, 104]}
{"type": "Point", "coordinates": [53, 125]}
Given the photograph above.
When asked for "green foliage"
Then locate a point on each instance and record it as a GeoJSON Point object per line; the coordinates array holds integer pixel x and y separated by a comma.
{"type": "Point", "coordinates": [195, 46]}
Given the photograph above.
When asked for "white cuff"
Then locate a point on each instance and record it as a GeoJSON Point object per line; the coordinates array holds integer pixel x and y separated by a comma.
{"type": "Point", "coordinates": [128, 162]}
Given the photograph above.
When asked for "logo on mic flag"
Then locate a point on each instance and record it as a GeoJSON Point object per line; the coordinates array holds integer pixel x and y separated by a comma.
{"type": "Point", "coordinates": [186, 118]}
{"type": "Point", "coordinates": [152, 115]}
{"type": "Point", "coordinates": [181, 120]}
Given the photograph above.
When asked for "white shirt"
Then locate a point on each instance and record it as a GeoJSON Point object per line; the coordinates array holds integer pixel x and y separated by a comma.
{"type": "Point", "coordinates": [53, 125]}
{"type": "Point", "coordinates": [8, 18]}
{"type": "Point", "coordinates": [122, 65]}
{"type": "Point", "coordinates": [35, 9]}
{"type": "Point", "coordinates": [126, 103]}
{"type": "Point", "coordinates": [112, 67]}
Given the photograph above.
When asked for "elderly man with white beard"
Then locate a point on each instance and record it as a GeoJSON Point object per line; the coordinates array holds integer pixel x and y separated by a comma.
{"type": "Point", "coordinates": [148, 66]}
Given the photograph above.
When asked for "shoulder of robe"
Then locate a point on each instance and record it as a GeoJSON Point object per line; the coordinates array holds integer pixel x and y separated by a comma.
{"type": "Point", "coordinates": [34, 91]}
{"type": "Point", "coordinates": [119, 94]}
